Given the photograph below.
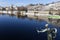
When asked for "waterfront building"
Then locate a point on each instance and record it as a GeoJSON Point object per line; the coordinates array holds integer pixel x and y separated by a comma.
{"type": "Point", "coordinates": [53, 7]}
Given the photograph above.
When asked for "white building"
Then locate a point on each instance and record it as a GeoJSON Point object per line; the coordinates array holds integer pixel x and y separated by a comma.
{"type": "Point", "coordinates": [54, 7]}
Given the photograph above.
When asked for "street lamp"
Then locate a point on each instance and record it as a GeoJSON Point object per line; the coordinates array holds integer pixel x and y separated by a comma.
{"type": "Point", "coordinates": [51, 32]}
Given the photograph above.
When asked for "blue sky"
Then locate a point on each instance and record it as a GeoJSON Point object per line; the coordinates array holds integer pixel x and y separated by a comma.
{"type": "Point", "coordinates": [24, 2]}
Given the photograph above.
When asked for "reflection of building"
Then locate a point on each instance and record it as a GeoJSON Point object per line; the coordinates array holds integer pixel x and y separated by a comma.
{"type": "Point", "coordinates": [13, 9]}
{"type": "Point", "coordinates": [21, 10]}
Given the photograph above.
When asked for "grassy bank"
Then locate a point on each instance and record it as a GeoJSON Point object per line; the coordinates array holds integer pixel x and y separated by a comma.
{"type": "Point", "coordinates": [54, 16]}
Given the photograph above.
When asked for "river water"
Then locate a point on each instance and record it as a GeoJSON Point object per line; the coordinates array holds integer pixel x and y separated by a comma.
{"type": "Point", "coordinates": [23, 28]}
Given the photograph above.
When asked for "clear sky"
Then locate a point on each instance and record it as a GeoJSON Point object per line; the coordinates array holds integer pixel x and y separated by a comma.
{"type": "Point", "coordinates": [24, 2]}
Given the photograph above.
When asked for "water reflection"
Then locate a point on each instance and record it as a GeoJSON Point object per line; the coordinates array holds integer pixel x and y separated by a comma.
{"type": "Point", "coordinates": [49, 20]}
{"type": "Point", "coordinates": [54, 21]}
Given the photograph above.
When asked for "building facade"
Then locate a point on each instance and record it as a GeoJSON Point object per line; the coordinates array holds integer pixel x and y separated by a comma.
{"type": "Point", "coordinates": [53, 7]}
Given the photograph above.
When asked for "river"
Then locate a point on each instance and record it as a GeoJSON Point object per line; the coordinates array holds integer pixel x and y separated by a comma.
{"type": "Point", "coordinates": [23, 28]}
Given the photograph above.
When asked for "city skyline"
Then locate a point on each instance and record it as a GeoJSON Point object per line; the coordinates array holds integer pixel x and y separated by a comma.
{"type": "Point", "coordinates": [24, 2]}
